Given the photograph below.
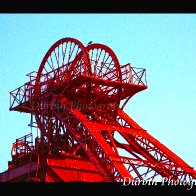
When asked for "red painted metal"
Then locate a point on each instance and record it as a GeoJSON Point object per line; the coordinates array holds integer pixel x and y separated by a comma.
{"type": "Point", "coordinates": [76, 102]}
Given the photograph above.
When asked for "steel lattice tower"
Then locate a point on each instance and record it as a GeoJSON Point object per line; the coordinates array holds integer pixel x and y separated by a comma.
{"type": "Point", "coordinates": [76, 102]}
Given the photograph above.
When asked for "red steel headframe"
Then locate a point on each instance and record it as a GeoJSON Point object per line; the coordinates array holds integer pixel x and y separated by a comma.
{"type": "Point", "coordinates": [76, 100]}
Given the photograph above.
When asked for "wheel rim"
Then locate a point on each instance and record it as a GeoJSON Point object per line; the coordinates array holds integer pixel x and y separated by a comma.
{"type": "Point", "coordinates": [105, 65]}
{"type": "Point", "coordinates": [63, 57]}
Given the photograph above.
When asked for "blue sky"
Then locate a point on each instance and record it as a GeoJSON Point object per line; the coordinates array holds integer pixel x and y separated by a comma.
{"type": "Point", "coordinates": [164, 44]}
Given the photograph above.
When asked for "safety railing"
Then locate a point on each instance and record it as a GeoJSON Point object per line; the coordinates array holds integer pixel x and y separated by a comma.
{"type": "Point", "coordinates": [130, 75]}
{"type": "Point", "coordinates": [133, 75]}
{"type": "Point", "coordinates": [23, 146]}
{"type": "Point", "coordinates": [47, 80]}
{"type": "Point", "coordinates": [22, 94]}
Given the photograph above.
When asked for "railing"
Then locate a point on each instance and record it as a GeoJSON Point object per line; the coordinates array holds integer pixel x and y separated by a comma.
{"type": "Point", "coordinates": [23, 146]}
{"type": "Point", "coordinates": [22, 94]}
{"type": "Point", "coordinates": [130, 75]}
{"type": "Point", "coordinates": [49, 79]}
{"type": "Point", "coordinates": [133, 75]}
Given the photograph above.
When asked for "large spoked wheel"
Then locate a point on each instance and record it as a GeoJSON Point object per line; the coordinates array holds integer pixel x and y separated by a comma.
{"type": "Point", "coordinates": [105, 66]}
{"type": "Point", "coordinates": [66, 58]}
